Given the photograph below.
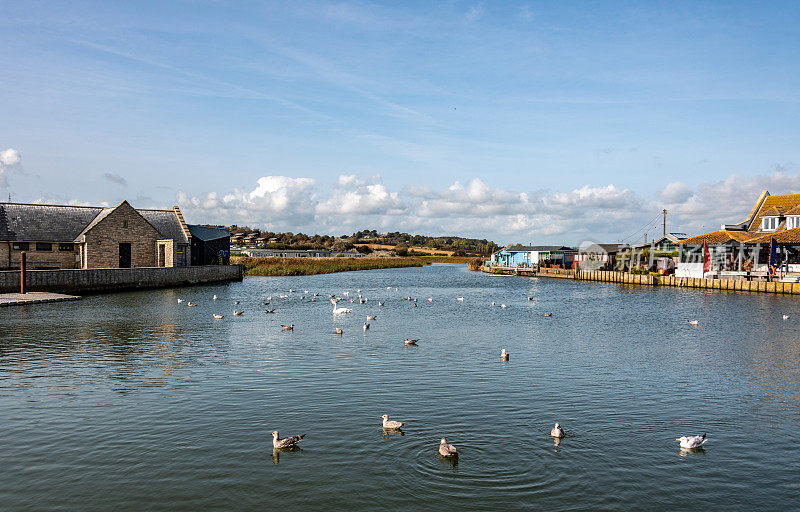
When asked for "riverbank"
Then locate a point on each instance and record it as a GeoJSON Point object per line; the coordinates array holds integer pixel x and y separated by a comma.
{"type": "Point", "coordinates": [313, 266]}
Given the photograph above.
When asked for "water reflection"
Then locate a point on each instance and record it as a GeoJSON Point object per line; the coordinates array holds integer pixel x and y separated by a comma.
{"type": "Point", "coordinates": [685, 452]}
{"type": "Point", "coordinates": [388, 432]}
{"type": "Point", "coordinates": [276, 453]}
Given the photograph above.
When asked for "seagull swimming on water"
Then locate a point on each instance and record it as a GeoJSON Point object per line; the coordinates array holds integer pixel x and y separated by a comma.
{"type": "Point", "coordinates": [286, 442]}
{"type": "Point", "coordinates": [338, 330]}
{"type": "Point", "coordinates": [180, 300]}
{"type": "Point", "coordinates": [237, 313]}
{"type": "Point", "coordinates": [389, 424]}
{"type": "Point", "coordinates": [366, 326]}
{"type": "Point", "coordinates": [372, 317]}
{"type": "Point", "coordinates": [214, 297]}
{"type": "Point", "coordinates": [689, 442]}
{"type": "Point", "coordinates": [411, 342]}
{"type": "Point", "coordinates": [693, 322]}
{"type": "Point", "coordinates": [447, 450]}
{"type": "Point", "coordinates": [218, 317]}
{"type": "Point", "coordinates": [557, 431]}
{"type": "Point", "coordinates": [289, 327]}
{"type": "Point", "coordinates": [785, 317]}
{"type": "Point", "coordinates": [504, 355]}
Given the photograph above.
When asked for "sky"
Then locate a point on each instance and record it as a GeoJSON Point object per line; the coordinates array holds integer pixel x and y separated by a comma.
{"type": "Point", "coordinates": [532, 122]}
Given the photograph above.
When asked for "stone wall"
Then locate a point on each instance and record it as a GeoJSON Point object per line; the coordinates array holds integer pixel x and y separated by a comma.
{"type": "Point", "coordinates": [122, 225]}
{"type": "Point", "coordinates": [54, 258]}
{"type": "Point", "coordinates": [115, 279]}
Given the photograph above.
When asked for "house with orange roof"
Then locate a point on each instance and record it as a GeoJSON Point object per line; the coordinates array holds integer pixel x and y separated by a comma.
{"type": "Point", "coordinates": [745, 245]}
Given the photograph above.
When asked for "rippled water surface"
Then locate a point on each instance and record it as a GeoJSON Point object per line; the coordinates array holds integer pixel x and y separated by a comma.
{"type": "Point", "coordinates": [133, 401]}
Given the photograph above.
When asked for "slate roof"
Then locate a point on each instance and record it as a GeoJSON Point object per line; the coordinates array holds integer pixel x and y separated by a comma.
{"type": "Point", "coordinates": [167, 223]}
{"type": "Point", "coordinates": [43, 222]}
{"type": "Point", "coordinates": [63, 223]}
{"type": "Point", "coordinates": [208, 232]}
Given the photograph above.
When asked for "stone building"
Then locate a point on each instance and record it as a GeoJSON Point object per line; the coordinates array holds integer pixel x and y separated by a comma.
{"type": "Point", "coordinates": [59, 236]}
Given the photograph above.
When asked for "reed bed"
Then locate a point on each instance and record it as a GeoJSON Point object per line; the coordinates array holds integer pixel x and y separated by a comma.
{"type": "Point", "coordinates": [312, 266]}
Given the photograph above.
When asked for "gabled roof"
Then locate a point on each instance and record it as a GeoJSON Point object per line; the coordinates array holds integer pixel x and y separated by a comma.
{"type": "Point", "coordinates": [773, 206]}
{"type": "Point", "coordinates": [44, 222]}
{"type": "Point", "coordinates": [64, 223]}
{"type": "Point", "coordinates": [609, 248]}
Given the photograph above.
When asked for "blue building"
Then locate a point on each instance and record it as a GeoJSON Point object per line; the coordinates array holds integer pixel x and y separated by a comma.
{"type": "Point", "coordinates": [533, 256]}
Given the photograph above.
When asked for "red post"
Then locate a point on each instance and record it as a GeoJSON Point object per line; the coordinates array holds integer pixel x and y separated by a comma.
{"type": "Point", "coordinates": [22, 272]}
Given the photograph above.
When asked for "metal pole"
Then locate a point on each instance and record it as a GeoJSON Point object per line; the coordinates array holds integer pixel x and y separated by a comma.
{"type": "Point", "coordinates": [22, 258]}
{"type": "Point", "coordinates": [665, 223]}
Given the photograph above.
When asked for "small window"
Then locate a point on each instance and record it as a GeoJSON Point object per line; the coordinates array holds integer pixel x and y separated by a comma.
{"type": "Point", "coordinates": [124, 223]}
{"type": "Point", "coordinates": [44, 246]}
{"type": "Point", "coordinates": [20, 246]}
{"type": "Point", "coordinates": [66, 247]}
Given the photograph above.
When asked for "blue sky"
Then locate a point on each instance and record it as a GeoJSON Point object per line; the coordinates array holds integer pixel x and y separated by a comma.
{"type": "Point", "coordinates": [516, 121]}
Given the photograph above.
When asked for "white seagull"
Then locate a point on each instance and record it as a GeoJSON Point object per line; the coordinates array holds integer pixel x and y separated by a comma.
{"type": "Point", "coordinates": [366, 326]}
{"type": "Point", "coordinates": [180, 300]}
{"type": "Point", "coordinates": [689, 442]}
{"type": "Point", "coordinates": [372, 317]}
{"type": "Point", "coordinates": [460, 299]}
{"type": "Point", "coordinates": [785, 317]}
{"type": "Point", "coordinates": [214, 297]}
{"type": "Point", "coordinates": [557, 431]}
{"type": "Point", "coordinates": [504, 355]}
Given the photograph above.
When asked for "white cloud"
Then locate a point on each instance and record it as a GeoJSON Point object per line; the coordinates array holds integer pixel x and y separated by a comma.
{"type": "Point", "coordinates": [474, 208]}
{"type": "Point", "coordinates": [9, 158]}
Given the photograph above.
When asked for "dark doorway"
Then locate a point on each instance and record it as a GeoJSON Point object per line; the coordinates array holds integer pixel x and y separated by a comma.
{"type": "Point", "coordinates": [124, 255]}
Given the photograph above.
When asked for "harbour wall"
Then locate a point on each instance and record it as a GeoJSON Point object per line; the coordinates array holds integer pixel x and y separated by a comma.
{"type": "Point", "coordinates": [612, 276]}
{"type": "Point", "coordinates": [99, 280]}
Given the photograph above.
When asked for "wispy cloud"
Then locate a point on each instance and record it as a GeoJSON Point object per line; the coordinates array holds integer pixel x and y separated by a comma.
{"type": "Point", "coordinates": [9, 160]}
{"type": "Point", "coordinates": [115, 178]}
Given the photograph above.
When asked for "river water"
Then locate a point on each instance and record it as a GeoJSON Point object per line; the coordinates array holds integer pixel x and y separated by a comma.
{"type": "Point", "coordinates": [133, 401]}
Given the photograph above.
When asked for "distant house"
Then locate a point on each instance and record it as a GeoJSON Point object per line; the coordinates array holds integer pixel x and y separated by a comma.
{"type": "Point", "coordinates": [65, 236]}
{"type": "Point", "coordinates": [667, 243]}
{"type": "Point", "coordinates": [533, 256]}
{"type": "Point", "coordinates": [598, 256]}
{"type": "Point", "coordinates": [300, 253]}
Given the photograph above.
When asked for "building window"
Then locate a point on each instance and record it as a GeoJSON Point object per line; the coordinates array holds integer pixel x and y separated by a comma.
{"type": "Point", "coordinates": [66, 247]}
{"type": "Point", "coordinates": [769, 224]}
{"type": "Point", "coordinates": [20, 246]}
{"type": "Point", "coordinates": [793, 222]}
{"type": "Point", "coordinates": [44, 246]}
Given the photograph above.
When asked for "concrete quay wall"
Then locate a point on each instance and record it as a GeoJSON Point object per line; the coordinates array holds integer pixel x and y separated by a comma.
{"type": "Point", "coordinates": [612, 276]}
{"type": "Point", "coordinates": [98, 280]}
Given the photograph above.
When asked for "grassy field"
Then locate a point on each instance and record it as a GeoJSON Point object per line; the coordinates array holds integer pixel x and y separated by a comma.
{"type": "Point", "coordinates": [312, 266]}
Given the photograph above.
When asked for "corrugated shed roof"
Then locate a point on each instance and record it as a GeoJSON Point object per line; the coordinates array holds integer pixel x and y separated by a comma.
{"type": "Point", "coordinates": [44, 222]}
{"type": "Point", "coordinates": [208, 232]}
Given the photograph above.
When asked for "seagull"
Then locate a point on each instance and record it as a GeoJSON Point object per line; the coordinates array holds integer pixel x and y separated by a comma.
{"type": "Point", "coordinates": [530, 298]}
{"type": "Point", "coordinates": [380, 304]}
{"type": "Point", "coordinates": [358, 291]}
{"type": "Point", "coordinates": [265, 303]}
{"type": "Point", "coordinates": [236, 302]}
{"type": "Point", "coordinates": [289, 327]}
{"type": "Point", "coordinates": [283, 296]}
{"type": "Point", "coordinates": [180, 300]}
{"type": "Point", "coordinates": [557, 431]}
{"type": "Point", "coordinates": [237, 313]}
{"type": "Point", "coordinates": [190, 304]}
{"type": "Point", "coordinates": [306, 291]}
{"type": "Point", "coordinates": [785, 317]}
{"type": "Point", "coordinates": [389, 424]}
{"type": "Point", "coordinates": [286, 442]}
{"type": "Point", "coordinates": [503, 306]}
{"type": "Point", "coordinates": [269, 310]}
{"type": "Point", "coordinates": [493, 304]}
{"type": "Point", "coordinates": [693, 322]}
{"type": "Point", "coordinates": [338, 330]}
{"type": "Point", "coordinates": [430, 299]}
{"type": "Point", "coordinates": [372, 317]}
{"type": "Point", "coordinates": [689, 442]}
{"type": "Point", "coordinates": [504, 355]}
{"type": "Point", "coordinates": [291, 291]}
{"type": "Point", "coordinates": [548, 314]}
{"type": "Point", "coordinates": [460, 299]}
{"type": "Point", "coordinates": [447, 450]}
{"type": "Point", "coordinates": [388, 287]}
{"type": "Point", "coordinates": [214, 297]}
{"type": "Point", "coordinates": [411, 342]}
{"type": "Point", "coordinates": [269, 298]}
{"type": "Point", "coordinates": [366, 326]}
{"type": "Point", "coordinates": [218, 317]}
{"type": "Point", "coordinates": [415, 304]}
